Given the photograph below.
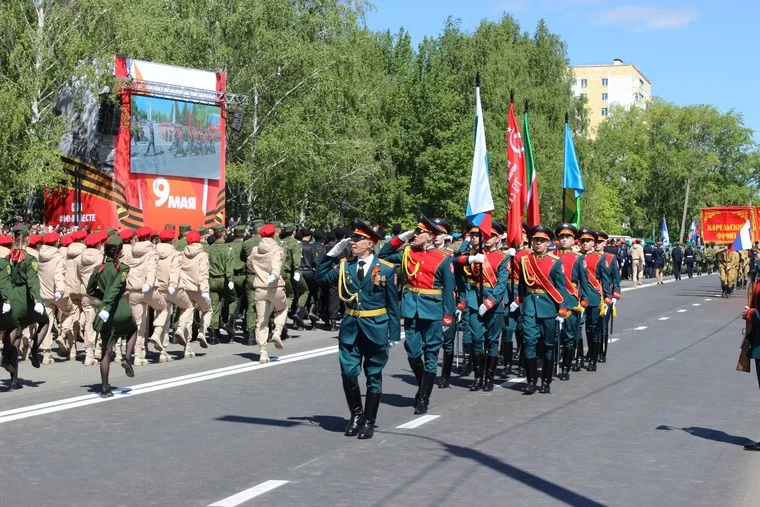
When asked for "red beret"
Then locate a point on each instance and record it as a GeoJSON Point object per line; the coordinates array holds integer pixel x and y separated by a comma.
{"type": "Point", "coordinates": [266, 231]}
{"type": "Point", "coordinates": [193, 237]}
{"type": "Point", "coordinates": [154, 233]}
{"type": "Point", "coordinates": [126, 234]}
{"type": "Point", "coordinates": [6, 240]}
{"type": "Point", "coordinates": [34, 240]}
{"type": "Point", "coordinates": [66, 240]}
{"type": "Point", "coordinates": [78, 235]}
{"type": "Point", "coordinates": [93, 240]}
{"type": "Point", "coordinates": [167, 235]}
{"type": "Point", "coordinates": [143, 233]}
{"type": "Point", "coordinates": [51, 238]}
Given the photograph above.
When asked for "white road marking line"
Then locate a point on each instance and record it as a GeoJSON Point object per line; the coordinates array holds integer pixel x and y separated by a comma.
{"type": "Point", "coordinates": [416, 423]}
{"type": "Point", "coordinates": [644, 285]}
{"type": "Point", "coordinates": [513, 381]}
{"type": "Point", "coordinates": [159, 385]}
{"type": "Point", "coordinates": [244, 496]}
{"type": "Point", "coordinates": [613, 340]}
{"type": "Point", "coordinates": [681, 311]}
{"type": "Point", "coordinates": [717, 295]}
{"type": "Point", "coordinates": [663, 318]}
{"type": "Point", "coordinates": [695, 304]}
{"type": "Point", "coordinates": [640, 328]}
{"type": "Point", "coordinates": [708, 299]}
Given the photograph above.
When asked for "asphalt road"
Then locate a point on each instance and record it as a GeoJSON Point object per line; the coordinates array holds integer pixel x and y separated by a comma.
{"type": "Point", "coordinates": [166, 162]}
{"type": "Point", "coordinates": [663, 422]}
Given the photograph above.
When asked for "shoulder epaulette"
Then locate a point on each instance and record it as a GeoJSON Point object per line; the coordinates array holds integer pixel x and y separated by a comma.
{"type": "Point", "coordinates": [386, 263]}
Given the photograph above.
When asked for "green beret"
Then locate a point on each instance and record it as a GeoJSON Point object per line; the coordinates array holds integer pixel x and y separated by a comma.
{"type": "Point", "coordinates": [288, 229]}
{"type": "Point", "coordinates": [203, 230]}
{"type": "Point", "coordinates": [111, 231]}
{"type": "Point", "coordinates": [239, 231]}
{"type": "Point", "coordinates": [258, 223]}
{"type": "Point", "coordinates": [170, 226]}
{"type": "Point", "coordinates": [184, 229]}
{"type": "Point", "coordinates": [114, 240]}
{"type": "Point", "coordinates": [219, 229]}
{"type": "Point", "coordinates": [20, 230]}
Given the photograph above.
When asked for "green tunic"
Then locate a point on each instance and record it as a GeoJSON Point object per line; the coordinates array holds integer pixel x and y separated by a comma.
{"type": "Point", "coordinates": [7, 321]}
{"type": "Point", "coordinates": [25, 290]}
{"type": "Point", "coordinates": [108, 283]}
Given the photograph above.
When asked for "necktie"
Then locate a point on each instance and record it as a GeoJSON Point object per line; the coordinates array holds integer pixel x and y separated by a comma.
{"type": "Point", "coordinates": [360, 271]}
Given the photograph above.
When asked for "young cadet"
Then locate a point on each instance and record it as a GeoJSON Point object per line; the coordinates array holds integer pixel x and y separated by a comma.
{"type": "Point", "coordinates": [597, 275]}
{"type": "Point", "coordinates": [576, 283]}
{"type": "Point", "coordinates": [544, 307]}
{"type": "Point", "coordinates": [427, 304]}
{"type": "Point", "coordinates": [612, 291]}
{"type": "Point", "coordinates": [371, 321]}
{"type": "Point", "coordinates": [486, 287]}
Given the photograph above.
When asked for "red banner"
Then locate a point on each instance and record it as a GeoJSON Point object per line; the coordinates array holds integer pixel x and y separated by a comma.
{"type": "Point", "coordinates": [721, 225]}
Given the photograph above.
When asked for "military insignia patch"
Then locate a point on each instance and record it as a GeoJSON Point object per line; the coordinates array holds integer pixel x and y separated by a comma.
{"type": "Point", "coordinates": [124, 276]}
{"type": "Point", "coordinates": [8, 268]}
{"type": "Point", "coordinates": [35, 266]}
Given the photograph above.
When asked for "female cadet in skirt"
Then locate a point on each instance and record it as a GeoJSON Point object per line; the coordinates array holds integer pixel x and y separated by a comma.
{"type": "Point", "coordinates": [114, 318]}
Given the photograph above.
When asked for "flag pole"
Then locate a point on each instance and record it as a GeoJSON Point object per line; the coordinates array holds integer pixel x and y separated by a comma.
{"type": "Point", "coordinates": [480, 231]}
{"type": "Point", "coordinates": [564, 192]}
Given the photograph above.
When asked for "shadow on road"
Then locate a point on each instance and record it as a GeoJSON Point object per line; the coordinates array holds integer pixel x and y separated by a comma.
{"type": "Point", "coordinates": [24, 383]}
{"type": "Point", "coordinates": [326, 422]}
{"type": "Point", "coordinates": [710, 434]}
{"type": "Point", "coordinates": [397, 400]}
{"type": "Point", "coordinates": [264, 421]}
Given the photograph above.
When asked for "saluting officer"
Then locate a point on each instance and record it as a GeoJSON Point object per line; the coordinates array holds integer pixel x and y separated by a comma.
{"type": "Point", "coordinates": [427, 304]}
{"type": "Point", "coordinates": [486, 287]}
{"type": "Point", "coordinates": [544, 306]}
{"type": "Point", "coordinates": [370, 322]}
{"type": "Point", "coordinates": [576, 283]}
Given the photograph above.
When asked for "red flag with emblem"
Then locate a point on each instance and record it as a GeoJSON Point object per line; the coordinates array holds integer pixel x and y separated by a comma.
{"type": "Point", "coordinates": [517, 190]}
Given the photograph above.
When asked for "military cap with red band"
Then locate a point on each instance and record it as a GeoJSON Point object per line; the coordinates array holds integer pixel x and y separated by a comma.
{"type": "Point", "coordinates": [587, 234]}
{"type": "Point", "coordinates": [426, 225]}
{"type": "Point", "coordinates": [540, 231]}
{"type": "Point", "coordinates": [566, 229]}
{"type": "Point", "coordinates": [362, 230]}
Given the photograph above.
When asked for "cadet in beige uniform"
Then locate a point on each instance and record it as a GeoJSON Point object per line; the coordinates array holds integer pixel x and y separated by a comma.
{"type": "Point", "coordinates": [637, 258]}
{"type": "Point", "coordinates": [193, 292]}
{"type": "Point", "coordinates": [88, 262]}
{"type": "Point", "coordinates": [71, 328]}
{"type": "Point", "coordinates": [265, 262]}
{"type": "Point", "coordinates": [52, 266]}
{"type": "Point", "coordinates": [167, 281]}
{"type": "Point", "coordinates": [142, 260]}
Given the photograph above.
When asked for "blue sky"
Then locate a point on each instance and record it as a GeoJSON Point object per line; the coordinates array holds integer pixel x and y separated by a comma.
{"type": "Point", "coordinates": [693, 52]}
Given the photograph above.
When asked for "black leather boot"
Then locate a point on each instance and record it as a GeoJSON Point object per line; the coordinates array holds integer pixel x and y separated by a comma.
{"type": "Point", "coordinates": [418, 368]}
{"type": "Point", "coordinates": [448, 360]}
{"type": "Point", "coordinates": [466, 367]}
{"type": "Point", "coordinates": [367, 429]}
{"type": "Point", "coordinates": [477, 366]}
{"type": "Point", "coordinates": [547, 372]}
{"type": "Point", "coordinates": [428, 380]}
{"type": "Point", "coordinates": [298, 318]}
{"type": "Point", "coordinates": [531, 371]}
{"type": "Point", "coordinates": [507, 354]}
{"type": "Point", "coordinates": [593, 353]}
{"type": "Point", "coordinates": [354, 401]}
{"type": "Point", "coordinates": [567, 360]}
{"type": "Point", "coordinates": [489, 373]}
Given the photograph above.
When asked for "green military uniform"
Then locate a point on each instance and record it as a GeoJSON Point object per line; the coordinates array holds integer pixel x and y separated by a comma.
{"type": "Point", "coordinates": [543, 284]}
{"type": "Point", "coordinates": [236, 295]}
{"type": "Point", "coordinates": [108, 284]}
{"type": "Point", "coordinates": [219, 273]}
{"type": "Point", "coordinates": [7, 321]}
{"type": "Point", "coordinates": [597, 298]}
{"type": "Point", "coordinates": [699, 257]}
{"type": "Point", "coordinates": [709, 259]}
{"type": "Point", "coordinates": [295, 286]}
{"type": "Point", "coordinates": [612, 291]}
{"type": "Point", "coordinates": [460, 282]}
{"type": "Point", "coordinates": [370, 323]}
{"type": "Point", "coordinates": [250, 311]}
{"type": "Point", "coordinates": [181, 243]}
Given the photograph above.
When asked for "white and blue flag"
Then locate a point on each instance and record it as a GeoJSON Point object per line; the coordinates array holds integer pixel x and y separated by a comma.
{"type": "Point", "coordinates": [743, 240]}
{"type": "Point", "coordinates": [664, 236]}
{"type": "Point", "coordinates": [480, 202]}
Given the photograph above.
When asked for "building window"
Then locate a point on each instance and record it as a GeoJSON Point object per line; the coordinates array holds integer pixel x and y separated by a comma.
{"type": "Point", "coordinates": [604, 81]}
{"type": "Point", "coordinates": [605, 112]}
{"type": "Point", "coordinates": [604, 96]}
{"type": "Point", "coordinates": [641, 82]}
{"type": "Point", "coordinates": [584, 83]}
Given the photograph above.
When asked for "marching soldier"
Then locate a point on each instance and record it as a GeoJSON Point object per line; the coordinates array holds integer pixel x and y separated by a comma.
{"type": "Point", "coordinates": [699, 259]}
{"type": "Point", "coordinates": [219, 279]}
{"type": "Point", "coordinates": [371, 321]}
{"type": "Point", "coordinates": [450, 335]}
{"type": "Point", "coordinates": [637, 259]}
{"type": "Point", "coordinates": [469, 246]}
{"type": "Point", "coordinates": [295, 287]}
{"type": "Point", "coordinates": [689, 259]}
{"type": "Point", "coordinates": [544, 306]}
{"type": "Point", "coordinates": [89, 260]}
{"type": "Point", "coordinates": [249, 335]}
{"type": "Point", "coordinates": [236, 285]}
{"type": "Point", "coordinates": [596, 275]}
{"type": "Point", "coordinates": [487, 279]}
{"type": "Point", "coordinates": [193, 293]}
{"type": "Point", "coordinates": [71, 329]}
{"type": "Point", "coordinates": [266, 262]}
{"type": "Point", "coordinates": [576, 283]}
{"type": "Point", "coordinates": [427, 304]}
{"type": "Point", "coordinates": [181, 242]}
{"type": "Point", "coordinates": [709, 259]}
{"type": "Point", "coordinates": [167, 280]}
{"type": "Point", "coordinates": [677, 256]}
{"type": "Point", "coordinates": [612, 291]}
{"type": "Point", "coordinates": [513, 326]}
{"type": "Point", "coordinates": [649, 260]}
{"type": "Point", "coordinates": [52, 289]}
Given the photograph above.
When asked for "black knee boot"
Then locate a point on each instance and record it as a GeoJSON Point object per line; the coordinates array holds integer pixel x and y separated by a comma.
{"type": "Point", "coordinates": [418, 368]}
{"type": "Point", "coordinates": [367, 428]}
{"type": "Point", "coordinates": [547, 372]}
{"type": "Point", "coordinates": [594, 352]}
{"type": "Point", "coordinates": [477, 366]}
{"type": "Point", "coordinates": [531, 372]}
{"type": "Point", "coordinates": [354, 401]}
{"type": "Point", "coordinates": [567, 359]}
{"type": "Point", "coordinates": [448, 360]}
{"type": "Point", "coordinates": [490, 371]}
{"type": "Point", "coordinates": [466, 367]}
{"type": "Point", "coordinates": [428, 380]}
{"type": "Point", "coordinates": [507, 354]}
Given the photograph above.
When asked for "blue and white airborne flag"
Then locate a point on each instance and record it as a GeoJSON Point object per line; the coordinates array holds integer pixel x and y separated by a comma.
{"type": "Point", "coordinates": [480, 202]}
{"type": "Point", "coordinates": [693, 231]}
{"type": "Point", "coordinates": [664, 236]}
{"type": "Point", "coordinates": [743, 240]}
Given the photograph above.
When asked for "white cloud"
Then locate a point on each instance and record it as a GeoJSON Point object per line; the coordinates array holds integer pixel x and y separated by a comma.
{"type": "Point", "coordinates": [648, 17]}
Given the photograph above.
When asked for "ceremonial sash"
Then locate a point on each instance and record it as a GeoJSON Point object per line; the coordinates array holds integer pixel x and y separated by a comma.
{"type": "Point", "coordinates": [533, 274]}
{"type": "Point", "coordinates": [568, 261]}
{"type": "Point", "coordinates": [609, 258]}
{"type": "Point", "coordinates": [592, 261]}
{"type": "Point", "coordinates": [424, 266]}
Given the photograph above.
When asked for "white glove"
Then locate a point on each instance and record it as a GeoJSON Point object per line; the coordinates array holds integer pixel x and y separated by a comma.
{"type": "Point", "coordinates": [458, 315]}
{"type": "Point", "coordinates": [272, 279]}
{"type": "Point", "coordinates": [561, 321]}
{"type": "Point", "coordinates": [146, 288]}
{"type": "Point", "coordinates": [297, 277]}
{"type": "Point", "coordinates": [511, 252]}
{"type": "Point", "coordinates": [446, 328]}
{"type": "Point", "coordinates": [172, 289]}
{"type": "Point", "coordinates": [476, 259]}
{"type": "Point", "coordinates": [513, 306]}
{"type": "Point", "coordinates": [482, 309]}
{"type": "Point", "coordinates": [206, 296]}
{"type": "Point", "coordinates": [103, 315]}
{"type": "Point", "coordinates": [57, 295]}
{"type": "Point", "coordinates": [230, 285]}
{"type": "Point", "coordinates": [614, 302]}
{"type": "Point", "coordinates": [6, 307]}
{"type": "Point", "coordinates": [338, 248]}
{"type": "Point", "coordinates": [404, 236]}
{"type": "Point", "coordinates": [39, 308]}
{"type": "Point", "coordinates": [605, 308]}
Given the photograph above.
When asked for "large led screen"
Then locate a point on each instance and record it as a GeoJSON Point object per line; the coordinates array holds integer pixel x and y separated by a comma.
{"type": "Point", "coordinates": [171, 137]}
